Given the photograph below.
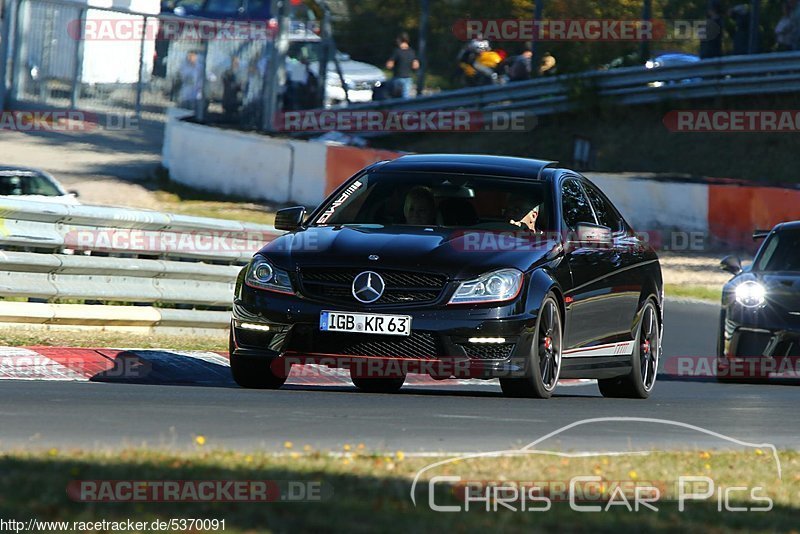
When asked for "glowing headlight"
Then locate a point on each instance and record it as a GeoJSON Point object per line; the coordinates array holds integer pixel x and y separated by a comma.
{"type": "Point", "coordinates": [262, 275]}
{"type": "Point", "coordinates": [750, 294]}
{"type": "Point", "coordinates": [496, 286]}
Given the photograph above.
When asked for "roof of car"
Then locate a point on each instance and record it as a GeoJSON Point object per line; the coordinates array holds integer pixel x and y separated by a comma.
{"type": "Point", "coordinates": [15, 168]}
{"type": "Point", "coordinates": [470, 164]}
{"type": "Point", "coordinates": [791, 225]}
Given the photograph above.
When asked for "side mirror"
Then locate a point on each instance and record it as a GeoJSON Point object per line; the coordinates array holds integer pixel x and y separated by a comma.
{"type": "Point", "coordinates": [73, 192]}
{"type": "Point", "coordinates": [593, 233]}
{"type": "Point", "coordinates": [290, 218]}
{"type": "Point", "coordinates": [731, 264]}
{"type": "Point", "coordinates": [760, 234]}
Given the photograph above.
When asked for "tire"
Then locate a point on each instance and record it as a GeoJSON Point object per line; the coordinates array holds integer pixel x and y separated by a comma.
{"type": "Point", "coordinates": [253, 373]}
{"type": "Point", "coordinates": [378, 385]}
{"type": "Point", "coordinates": [639, 383]}
{"type": "Point", "coordinates": [543, 362]}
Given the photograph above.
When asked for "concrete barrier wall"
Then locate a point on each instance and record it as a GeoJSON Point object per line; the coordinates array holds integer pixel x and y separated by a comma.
{"type": "Point", "coordinates": [653, 205]}
{"type": "Point", "coordinates": [262, 168]}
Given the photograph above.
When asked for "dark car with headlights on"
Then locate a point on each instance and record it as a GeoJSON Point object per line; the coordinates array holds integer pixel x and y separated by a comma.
{"type": "Point", "coordinates": [759, 332]}
{"type": "Point", "coordinates": [456, 266]}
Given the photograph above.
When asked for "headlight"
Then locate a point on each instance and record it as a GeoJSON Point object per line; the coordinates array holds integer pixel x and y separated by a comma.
{"type": "Point", "coordinates": [750, 294]}
{"type": "Point", "coordinates": [496, 286]}
{"type": "Point", "coordinates": [262, 275]}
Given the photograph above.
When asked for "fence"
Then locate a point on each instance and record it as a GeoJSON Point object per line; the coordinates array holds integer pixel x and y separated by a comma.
{"type": "Point", "coordinates": [726, 76]}
{"type": "Point", "coordinates": [119, 268]}
{"type": "Point", "coordinates": [68, 54]}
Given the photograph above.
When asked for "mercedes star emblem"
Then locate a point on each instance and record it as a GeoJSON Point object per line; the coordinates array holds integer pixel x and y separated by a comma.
{"type": "Point", "coordinates": [368, 287]}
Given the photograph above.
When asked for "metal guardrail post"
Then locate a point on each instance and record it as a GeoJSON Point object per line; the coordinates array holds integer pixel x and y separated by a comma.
{"type": "Point", "coordinates": [5, 34]}
{"type": "Point", "coordinates": [140, 81]}
{"type": "Point", "coordinates": [78, 57]}
{"type": "Point", "coordinates": [201, 104]}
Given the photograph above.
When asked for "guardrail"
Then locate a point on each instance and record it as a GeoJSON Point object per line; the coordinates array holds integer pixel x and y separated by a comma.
{"type": "Point", "coordinates": [725, 76]}
{"type": "Point", "coordinates": [161, 271]}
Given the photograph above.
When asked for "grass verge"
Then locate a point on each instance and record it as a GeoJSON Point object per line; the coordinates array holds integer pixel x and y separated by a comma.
{"type": "Point", "coordinates": [695, 291]}
{"type": "Point", "coordinates": [371, 492]}
{"type": "Point", "coordinates": [15, 337]}
{"type": "Point", "coordinates": [176, 198]}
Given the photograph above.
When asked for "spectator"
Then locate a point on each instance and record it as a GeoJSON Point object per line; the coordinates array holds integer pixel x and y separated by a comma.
{"type": "Point", "coordinates": [521, 68]}
{"type": "Point", "coordinates": [741, 34]}
{"type": "Point", "coordinates": [253, 92]}
{"type": "Point", "coordinates": [403, 63]}
{"type": "Point", "coordinates": [711, 46]}
{"type": "Point", "coordinates": [190, 75]}
{"type": "Point", "coordinates": [785, 30]}
{"type": "Point", "coordinates": [547, 66]}
{"type": "Point", "coordinates": [232, 91]}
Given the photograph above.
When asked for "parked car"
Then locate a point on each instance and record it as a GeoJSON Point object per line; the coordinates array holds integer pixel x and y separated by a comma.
{"type": "Point", "coordinates": [219, 9]}
{"type": "Point", "coordinates": [33, 184]}
{"type": "Point", "coordinates": [497, 266]}
{"type": "Point", "coordinates": [760, 317]}
{"type": "Point", "coordinates": [670, 60]}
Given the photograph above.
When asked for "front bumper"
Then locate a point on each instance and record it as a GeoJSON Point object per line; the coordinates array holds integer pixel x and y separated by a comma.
{"type": "Point", "coordinates": [282, 327]}
{"type": "Point", "coordinates": [754, 347]}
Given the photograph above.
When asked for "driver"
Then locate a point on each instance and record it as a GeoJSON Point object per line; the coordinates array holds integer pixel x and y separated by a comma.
{"type": "Point", "coordinates": [420, 207]}
{"type": "Point", "coordinates": [521, 214]}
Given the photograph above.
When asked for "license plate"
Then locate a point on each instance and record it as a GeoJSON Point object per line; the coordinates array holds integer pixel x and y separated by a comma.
{"type": "Point", "coordinates": [365, 323]}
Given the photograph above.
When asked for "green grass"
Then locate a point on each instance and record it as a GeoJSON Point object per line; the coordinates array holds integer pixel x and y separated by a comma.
{"type": "Point", "coordinates": [694, 291]}
{"type": "Point", "coordinates": [371, 491]}
{"type": "Point", "coordinates": [18, 337]}
{"type": "Point", "coordinates": [177, 198]}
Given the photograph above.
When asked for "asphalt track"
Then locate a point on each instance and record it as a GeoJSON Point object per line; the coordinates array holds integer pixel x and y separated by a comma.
{"type": "Point", "coordinates": [41, 414]}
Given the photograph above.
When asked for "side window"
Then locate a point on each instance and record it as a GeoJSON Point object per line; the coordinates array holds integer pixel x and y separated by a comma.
{"type": "Point", "coordinates": [575, 205]}
{"type": "Point", "coordinates": [606, 214]}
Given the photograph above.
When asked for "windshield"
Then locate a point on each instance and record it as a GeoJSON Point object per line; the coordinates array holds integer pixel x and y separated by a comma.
{"type": "Point", "coordinates": [440, 200]}
{"type": "Point", "coordinates": [25, 183]}
{"type": "Point", "coordinates": [781, 252]}
{"type": "Point", "coordinates": [304, 51]}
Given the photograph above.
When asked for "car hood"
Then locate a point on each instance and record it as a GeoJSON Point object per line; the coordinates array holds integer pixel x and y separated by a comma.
{"type": "Point", "coordinates": [461, 254]}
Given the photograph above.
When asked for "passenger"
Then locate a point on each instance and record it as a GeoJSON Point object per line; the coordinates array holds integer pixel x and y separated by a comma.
{"type": "Point", "coordinates": [420, 207]}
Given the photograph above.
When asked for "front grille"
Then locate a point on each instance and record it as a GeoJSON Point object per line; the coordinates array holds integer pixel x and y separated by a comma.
{"type": "Point", "coordinates": [336, 285]}
{"type": "Point", "coordinates": [418, 345]}
{"type": "Point", "coordinates": [751, 344]}
{"type": "Point", "coordinates": [488, 351]}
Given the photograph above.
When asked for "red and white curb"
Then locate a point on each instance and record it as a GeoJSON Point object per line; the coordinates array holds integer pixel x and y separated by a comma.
{"type": "Point", "coordinates": [160, 366]}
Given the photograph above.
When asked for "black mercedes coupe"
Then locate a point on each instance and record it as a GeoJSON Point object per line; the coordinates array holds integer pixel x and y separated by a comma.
{"type": "Point", "coordinates": [455, 266]}
{"type": "Point", "coordinates": [759, 333]}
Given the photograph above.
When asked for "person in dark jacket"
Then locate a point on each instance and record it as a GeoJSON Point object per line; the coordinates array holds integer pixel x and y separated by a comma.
{"type": "Point", "coordinates": [711, 46]}
{"type": "Point", "coordinates": [403, 63]}
{"type": "Point", "coordinates": [231, 91]}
